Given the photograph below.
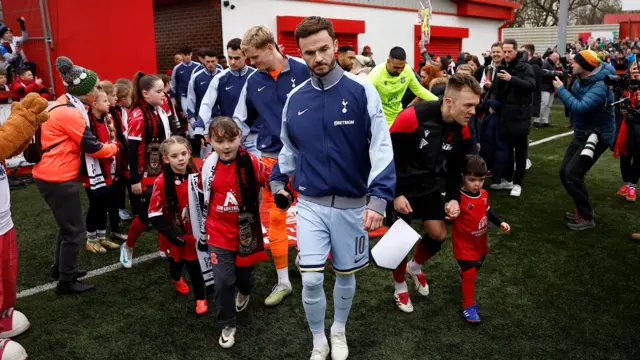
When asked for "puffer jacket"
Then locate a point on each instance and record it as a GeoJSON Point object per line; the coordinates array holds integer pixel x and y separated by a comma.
{"type": "Point", "coordinates": [536, 65]}
{"type": "Point", "coordinates": [516, 98]}
{"type": "Point", "coordinates": [587, 103]}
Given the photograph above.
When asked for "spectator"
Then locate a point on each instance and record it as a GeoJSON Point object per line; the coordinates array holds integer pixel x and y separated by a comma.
{"type": "Point", "coordinates": [177, 59]}
{"type": "Point", "coordinates": [26, 83]}
{"type": "Point", "coordinates": [11, 48]}
{"type": "Point", "coordinates": [552, 63]}
{"type": "Point", "coordinates": [6, 95]}
{"type": "Point", "coordinates": [515, 87]}
{"type": "Point", "coordinates": [346, 57]}
{"type": "Point", "coordinates": [536, 65]}
{"type": "Point", "coordinates": [366, 51]}
{"type": "Point", "coordinates": [497, 55]}
{"type": "Point", "coordinates": [478, 70]}
{"type": "Point", "coordinates": [586, 102]}
{"type": "Point", "coordinates": [427, 74]}
{"type": "Point", "coordinates": [361, 66]}
{"type": "Point", "coordinates": [443, 63]}
{"type": "Point", "coordinates": [66, 135]}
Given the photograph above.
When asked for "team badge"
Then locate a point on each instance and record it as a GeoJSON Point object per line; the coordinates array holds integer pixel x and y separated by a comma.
{"type": "Point", "coordinates": [402, 79]}
{"type": "Point", "coordinates": [344, 104]}
{"type": "Point", "coordinates": [293, 83]}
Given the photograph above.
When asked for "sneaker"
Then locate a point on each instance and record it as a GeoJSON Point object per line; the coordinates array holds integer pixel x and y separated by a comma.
{"type": "Point", "coordinates": [320, 353]}
{"type": "Point", "coordinates": [403, 302]}
{"type": "Point", "coordinates": [635, 237]}
{"type": "Point", "coordinates": [278, 294]}
{"type": "Point", "coordinates": [126, 256]}
{"type": "Point", "coordinates": [109, 244]}
{"type": "Point", "coordinates": [201, 307]}
{"type": "Point", "coordinates": [181, 286]}
{"type": "Point", "coordinates": [419, 282]}
{"type": "Point", "coordinates": [339, 348]}
{"type": "Point", "coordinates": [14, 321]}
{"type": "Point", "coordinates": [581, 224]}
{"type": "Point", "coordinates": [624, 190]}
{"type": "Point", "coordinates": [503, 185]}
{"type": "Point", "coordinates": [95, 247]}
{"type": "Point", "coordinates": [547, 125]}
{"type": "Point", "coordinates": [73, 287]}
{"type": "Point", "coordinates": [528, 164]}
{"type": "Point", "coordinates": [55, 273]}
{"type": "Point", "coordinates": [242, 301]}
{"type": "Point", "coordinates": [124, 215]}
{"type": "Point", "coordinates": [572, 215]}
{"type": "Point", "coordinates": [516, 191]}
{"type": "Point", "coordinates": [631, 195]}
{"type": "Point", "coordinates": [120, 236]}
{"type": "Point", "coordinates": [537, 125]}
{"type": "Point", "coordinates": [470, 314]}
{"type": "Point", "coordinates": [11, 350]}
{"type": "Point", "coordinates": [227, 337]}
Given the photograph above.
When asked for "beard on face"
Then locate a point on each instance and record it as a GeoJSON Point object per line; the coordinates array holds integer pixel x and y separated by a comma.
{"type": "Point", "coordinates": [321, 74]}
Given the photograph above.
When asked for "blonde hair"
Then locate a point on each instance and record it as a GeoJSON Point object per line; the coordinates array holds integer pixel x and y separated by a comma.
{"type": "Point", "coordinates": [108, 118]}
{"type": "Point", "coordinates": [123, 88]}
{"type": "Point", "coordinates": [257, 37]}
{"type": "Point", "coordinates": [107, 86]}
{"type": "Point", "coordinates": [465, 67]}
{"type": "Point", "coordinates": [173, 140]}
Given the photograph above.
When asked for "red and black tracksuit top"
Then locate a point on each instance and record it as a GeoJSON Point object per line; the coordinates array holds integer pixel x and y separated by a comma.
{"type": "Point", "coordinates": [426, 148]}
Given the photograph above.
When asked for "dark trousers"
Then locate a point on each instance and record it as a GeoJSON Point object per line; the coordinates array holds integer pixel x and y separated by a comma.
{"type": "Point", "coordinates": [572, 172]}
{"type": "Point", "coordinates": [195, 274]}
{"type": "Point", "coordinates": [630, 168]}
{"type": "Point", "coordinates": [516, 157]}
{"type": "Point", "coordinates": [102, 202]}
{"type": "Point", "coordinates": [123, 185]}
{"type": "Point", "coordinates": [64, 201]}
{"type": "Point", "coordinates": [227, 277]}
{"type": "Point", "coordinates": [140, 204]}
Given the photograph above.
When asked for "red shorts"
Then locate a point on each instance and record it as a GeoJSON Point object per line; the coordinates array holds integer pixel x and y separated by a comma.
{"type": "Point", "coordinates": [8, 270]}
{"type": "Point", "coordinates": [187, 252]}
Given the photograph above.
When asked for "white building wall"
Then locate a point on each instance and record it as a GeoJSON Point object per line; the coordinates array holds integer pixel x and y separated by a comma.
{"type": "Point", "coordinates": [384, 28]}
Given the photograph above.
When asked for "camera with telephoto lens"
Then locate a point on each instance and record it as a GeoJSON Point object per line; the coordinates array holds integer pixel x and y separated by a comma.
{"type": "Point", "coordinates": [552, 74]}
{"type": "Point", "coordinates": [590, 146]}
{"type": "Point", "coordinates": [621, 82]}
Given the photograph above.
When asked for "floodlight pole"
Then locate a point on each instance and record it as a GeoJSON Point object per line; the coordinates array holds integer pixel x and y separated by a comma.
{"type": "Point", "coordinates": [563, 19]}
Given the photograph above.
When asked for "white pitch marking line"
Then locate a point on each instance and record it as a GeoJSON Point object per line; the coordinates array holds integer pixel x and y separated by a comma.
{"type": "Point", "coordinates": [103, 270]}
{"type": "Point", "coordinates": [42, 288]}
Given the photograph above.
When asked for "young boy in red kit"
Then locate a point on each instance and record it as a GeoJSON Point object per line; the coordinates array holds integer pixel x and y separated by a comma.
{"type": "Point", "coordinates": [26, 83]}
{"type": "Point", "coordinates": [469, 232]}
{"type": "Point", "coordinates": [231, 181]}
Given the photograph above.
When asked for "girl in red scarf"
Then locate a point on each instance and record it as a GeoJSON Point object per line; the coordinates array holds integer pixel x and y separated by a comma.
{"type": "Point", "coordinates": [147, 129]}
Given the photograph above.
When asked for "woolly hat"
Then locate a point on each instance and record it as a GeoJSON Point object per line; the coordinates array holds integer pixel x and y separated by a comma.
{"type": "Point", "coordinates": [3, 30]}
{"type": "Point", "coordinates": [587, 59]}
{"type": "Point", "coordinates": [77, 80]}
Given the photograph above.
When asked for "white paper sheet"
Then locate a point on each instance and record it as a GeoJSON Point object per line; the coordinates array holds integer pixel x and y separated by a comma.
{"type": "Point", "coordinates": [395, 245]}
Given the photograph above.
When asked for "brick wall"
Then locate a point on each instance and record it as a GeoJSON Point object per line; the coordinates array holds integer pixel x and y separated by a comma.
{"type": "Point", "coordinates": [197, 24]}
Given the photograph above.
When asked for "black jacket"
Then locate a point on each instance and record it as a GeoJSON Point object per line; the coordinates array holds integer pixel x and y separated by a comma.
{"type": "Point", "coordinates": [516, 98]}
{"type": "Point", "coordinates": [536, 65]}
{"type": "Point", "coordinates": [547, 82]}
{"type": "Point", "coordinates": [425, 148]}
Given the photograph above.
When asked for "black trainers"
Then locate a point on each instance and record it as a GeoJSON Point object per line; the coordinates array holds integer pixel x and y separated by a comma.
{"type": "Point", "coordinates": [73, 287]}
{"type": "Point", "coordinates": [581, 224]}
{"type": "Point", "coordinates": [55, 273]}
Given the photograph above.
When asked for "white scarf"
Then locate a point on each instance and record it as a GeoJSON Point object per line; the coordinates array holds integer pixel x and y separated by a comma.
{"type": "Point", "coordinates": [165, 122]}
{"type": "Point", "coordinates": [94, 172]}
{"type": "Point", "coordinates": [198, 211]}
{"type": "Point", "coordinates": [125, 122]}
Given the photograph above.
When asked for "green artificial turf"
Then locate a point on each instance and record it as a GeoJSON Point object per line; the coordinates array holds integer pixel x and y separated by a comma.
{"type": "Point", "coordinates": [545, 292]}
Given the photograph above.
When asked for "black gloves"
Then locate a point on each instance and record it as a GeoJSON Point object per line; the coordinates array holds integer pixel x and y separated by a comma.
{"type": "Point", "coordinates": [21, 21]}
{"type": "Point", "coordinates": [282, 201]}
{"type": "Point", "coordinates": [177, 241]}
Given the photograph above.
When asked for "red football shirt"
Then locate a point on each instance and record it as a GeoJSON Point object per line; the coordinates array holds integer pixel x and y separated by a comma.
{"type": "Point", "coordinates": [137, 132]}
{"type": "Point", "coordinates": [469, 230]}
{"type": "Point", "coordinates": [226, 199]}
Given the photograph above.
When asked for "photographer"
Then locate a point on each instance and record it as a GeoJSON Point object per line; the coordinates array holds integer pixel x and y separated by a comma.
{"type": "Point", "coordinates": [515, 84]}
{"type": "Point", "coordinates": [593, 128]}
{"type": "Point", "coordinates": [551, 64]}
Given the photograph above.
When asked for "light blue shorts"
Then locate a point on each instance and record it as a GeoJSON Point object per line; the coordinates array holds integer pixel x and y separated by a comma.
{"type": "Point", "coordinates": [322, 230]}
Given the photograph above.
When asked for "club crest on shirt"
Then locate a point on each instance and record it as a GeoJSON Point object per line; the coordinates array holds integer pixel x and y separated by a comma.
{"type": "Point", "coordinates": [402, 79]}
{"type": "Point", "coordinates": [3, 172]}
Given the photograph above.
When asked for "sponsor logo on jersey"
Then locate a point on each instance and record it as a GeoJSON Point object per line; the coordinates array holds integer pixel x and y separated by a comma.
{"type": "Point", "coordinates": [230, 204]}
{"type": "Point", "coordinates": [343, 122]}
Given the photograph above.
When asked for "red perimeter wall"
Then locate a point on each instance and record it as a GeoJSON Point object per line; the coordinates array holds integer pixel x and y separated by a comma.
{"type": "Point", "coordinates": [114, 38]}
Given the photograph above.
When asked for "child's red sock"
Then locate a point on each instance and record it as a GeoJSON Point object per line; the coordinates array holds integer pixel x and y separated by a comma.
{"type": "Point", "coordinates": [468, 286]}
{"type": "Point", "coordinates": [135, 231]}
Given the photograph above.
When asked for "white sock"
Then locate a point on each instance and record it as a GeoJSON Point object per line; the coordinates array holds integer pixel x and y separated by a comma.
{"type": "Point", "coordinates": [91, 236]}
{"type": "Point", "coordinates": [338, 327]}
{"type": "Point", "coordinates": [283, 277]}
{"type": "Point", "coordinates": [319, 340]}
{"type": "Point", "coordinates": [102, 234]}
{"type": "Point", "coordinates": [401, 288]}
{"type": "Point", "coordinates": [414, 268]}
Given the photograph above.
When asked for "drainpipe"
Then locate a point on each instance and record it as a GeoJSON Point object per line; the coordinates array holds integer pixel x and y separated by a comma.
{"type": "Point", "coordinates": [47, 38]}
{"type": "Point", "coordinates": [506, 23]}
